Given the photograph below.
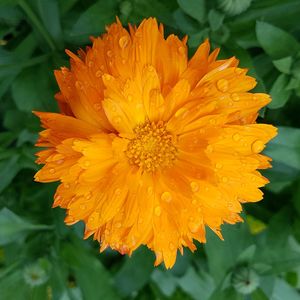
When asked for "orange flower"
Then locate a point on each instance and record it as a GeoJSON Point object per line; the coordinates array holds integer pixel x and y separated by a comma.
{"type": "Point", "coordinates": [151, 147]}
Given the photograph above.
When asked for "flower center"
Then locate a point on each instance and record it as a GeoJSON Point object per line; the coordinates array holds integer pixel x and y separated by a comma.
{"type": "Point", "coordinates": [152, 148]}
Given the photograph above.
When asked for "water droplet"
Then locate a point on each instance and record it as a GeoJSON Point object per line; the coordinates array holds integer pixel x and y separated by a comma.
{"type": "Point", "coordinates": [181, 112]}
{"type": "Point", "coordinates": [151, 69]}
{"type": "Point", "coordinates": [219, 165]}
{"type": "Point", "coordinates": [118, 192]}
{"type": "Point", "coordinates": [194, 186]}
{"type": "Point", "coordinates": [117, 120]}
{"type": "Point", "coordinates": [166, 196]}
{"type": "Point", "coordinates": [88, 196]}
{"type": "Point", "coordinates": [257, 146]}
{"type": "Point", "coordinates": [78, 84]}
{"type": "Point", "coordinates": [225, 179]}
{"type": "Point", "coordinates": [235, 97]}
{"type": "Point", "coordinates": [119, 225]}
{"type": "Point", "coordinates": [236, 137]}
{"type": "Point", "coordinates": [98, 73]}
{"type": "Point", "coordinates": [52, 171]}
{"type": "Point", "coordinates": [193, 226]}
{"type": "Point", "coordinates": [82, 206]}
{"type": "Point", "coordinates": [181, 50]}
{"type": "Point", "coordinates": [107, 77]}
{"type": "Point", "coordinates": [109, 53]}
{"type": "Point", "coordinates": [222, 85]}
{"type": "Point", "coordinates": [67, 185]}
{"type": "Point", "coordinates": [97, 106]}
{"type": "Point", "coordinates": [124, 41]}
{"type": "Point", "coordinates": [91, 63]}
{"type": "Point", "coordinates": [171, 246]}
{"type": "Point", "coordinates": [209, 148]}
{"type": "Point", "coordinates": [157, 211]}
{"type": "Point", "coordinates": [212, 121]}
{"type": "Point", "coordinates": [150, 190]}
{"type": "Point", "coordinates": [60, 161]}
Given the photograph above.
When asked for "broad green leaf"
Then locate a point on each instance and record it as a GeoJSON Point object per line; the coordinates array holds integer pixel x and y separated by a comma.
{"type": "Point", "coordinates": [197, 285]}
{"type": "Point", "coordinates": [284, 64]}
{"type": "Point", "coordinates": [165, 281]}
{"type": "Point", "coordinates": [194, 8]}
{"type": "Point", "coordinates": [49, 14]}
{"type": "Point", "coordinates": [285, 147]}
{"type": "Point", "coordinates": [258, 294]}
{"type": "Point", "coordinates": [28, 95]}
{"type": "Point", "coordinates": [280, 95]}
{"type": "Point", "coordinates": [247, 255]}
{"type": "Point", "coordinates": [276, 42]}
{"type": "Point", "coordinates": [222, 255]}
{"type": "Point", "coordinates": [282, 290]}
{"type": "Point", "coordinates": [215, 19]}
{"type": "Point", "coordinates": [14, 287]}
{"type": "Point", "coordinates": [14, 227]}
{"type": "Point", "coordinates": [8, 170]}
{"type": "Point", "coordinates": [184, 22]}
{"type": "Point", "coordinates": [93, 279]}
{"type": "Point", "coordinates": [93, 20]}
{"type": "Point", "coordinates": [135, 272]}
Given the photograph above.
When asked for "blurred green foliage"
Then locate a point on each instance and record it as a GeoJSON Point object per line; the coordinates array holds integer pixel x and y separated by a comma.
{"type": "Point", "coordinates": [40, 258]}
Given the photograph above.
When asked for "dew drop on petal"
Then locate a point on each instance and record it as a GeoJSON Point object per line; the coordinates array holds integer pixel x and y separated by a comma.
{"type": "Point", "coordinates": [98, 73]}
{"type": "Point", "coordinates": [52, 171]}
{"type": "Point", "coordinates": [117, 120]}
{"type": "Point", "coordinates": [209, 148]}
{"type": "Point", "coordinates": [222, 85]}
{"type": "Point", "coordinates": [118, 224]}
{"type": "Point", "coordinates": [194, 186]}
{"type": "Point", "coordinates": [157, 211]}
{"type": "Point", "coordinates": [219, 165]}
{"type": "Point", "coordinates": [97, 106]}
{"type": "Point", "coordinates": [235, 97]}
{"type": "Point", "coordinates": [181, 50]}
{"type": "Point", "coordinates": [171, 246]}
{"type": "Point", "coordinates": [60, 161]}
{"type": "Point", "coordinates": [257, 146]}
{"type": "Point", "coordinates": [166, 196]}
{"type": "Point", "coordinates": [123, 41]}
{"type": "Point", "coordinates": [225, 179]}
{"type": "Point", "coordinates": [82, 206]}
{"type": "Point", "coordinates": [109, 53]}
{"type": "Point", "coordinates": [236, 137]}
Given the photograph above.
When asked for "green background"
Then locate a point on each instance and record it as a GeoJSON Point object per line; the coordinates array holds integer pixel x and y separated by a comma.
{"type": "Point", "coordinates": [41, 258]}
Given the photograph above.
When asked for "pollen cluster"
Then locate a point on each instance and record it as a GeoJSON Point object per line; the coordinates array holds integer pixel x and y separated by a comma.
{"type": "Point", "coordinates": [152, 147]}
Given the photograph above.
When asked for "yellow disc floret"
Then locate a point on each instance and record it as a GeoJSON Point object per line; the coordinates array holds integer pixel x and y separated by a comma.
{"type": "Point", "coordinates": [152, 147]}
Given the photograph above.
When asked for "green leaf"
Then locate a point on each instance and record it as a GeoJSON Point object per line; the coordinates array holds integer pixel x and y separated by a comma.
{"type": "Point", "coordinates": [284, 64]}
{"type": "Point", "coordinates": [13, 287]}
{"type": "Point", "coordinates": [285, 147]}
{"type": "Point", "coordinates": [258, 294]}
{"type": "Point", "coordinates": [215, 19]}
{"type": "Point", "coordinates": [49, 14]}
{"type": "Point", "coordinates": [283, 290]}
{"type": "Point", "coordinates": [93, 20]}
{"type": "Point", "coordinates": [135, 272]}
{"type": "Point", "coordinates": [197, 285]}
{"type": "Point", "coordinates": [30, 96]}
{"type": "Point", "coordinates": [165, 281]}
{"type": "Point", "coordinates": [221, 255]}
{"type": "Point", "coordinates": [13, 227]}
{"type": "Point", "coordinates": [194, 8]}
{"type": "Point", "coordinates": [8, 170]}
{"type": "Point", "coordinates": [276, 42]}
{"type": "Point", "coordinates": [280, 95]}
{"type": "Point", "coordinates": [91, 276]}
{"type": "Point", "coordinates": [247, 255]}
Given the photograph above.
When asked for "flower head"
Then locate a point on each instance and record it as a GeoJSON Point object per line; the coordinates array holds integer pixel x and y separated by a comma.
{"type": "Point", "coordinates": [151, 147]}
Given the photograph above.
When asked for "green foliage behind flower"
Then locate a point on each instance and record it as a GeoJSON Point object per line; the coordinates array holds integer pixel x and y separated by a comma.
{"type": "Point", "coordinates": [42, 259]}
